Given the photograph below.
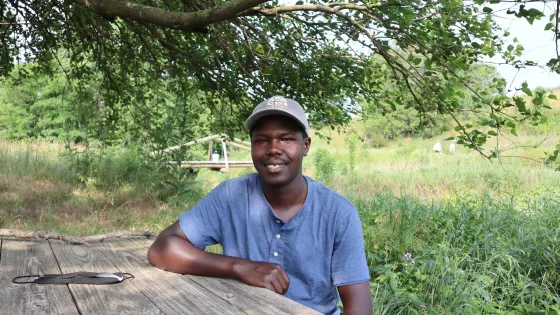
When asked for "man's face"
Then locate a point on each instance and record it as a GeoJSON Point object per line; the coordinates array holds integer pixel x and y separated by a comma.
{"type": "Point", "coordinates": [277, 149]}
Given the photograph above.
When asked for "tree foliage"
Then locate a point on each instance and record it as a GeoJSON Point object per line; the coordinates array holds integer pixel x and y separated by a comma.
{"type": "Point", "coordinates": [331, 56]}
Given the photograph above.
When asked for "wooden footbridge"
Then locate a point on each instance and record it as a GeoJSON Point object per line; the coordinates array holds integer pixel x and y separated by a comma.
{"type": "Point", "coordinates": [222, 164]}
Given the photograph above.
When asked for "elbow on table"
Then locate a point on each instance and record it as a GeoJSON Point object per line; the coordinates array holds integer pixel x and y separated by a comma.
{"type": "Point", "coordinates": [155, 257]}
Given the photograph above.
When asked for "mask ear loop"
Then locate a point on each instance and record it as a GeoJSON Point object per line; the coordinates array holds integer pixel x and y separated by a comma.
{"type": "Point", "coordinates": [126, 275]}
{"type": "Point", "coordinates": [22, 277]}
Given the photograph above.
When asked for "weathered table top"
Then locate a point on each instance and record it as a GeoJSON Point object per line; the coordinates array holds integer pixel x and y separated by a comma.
{"type": "Point", "coordinates": [152, 291]}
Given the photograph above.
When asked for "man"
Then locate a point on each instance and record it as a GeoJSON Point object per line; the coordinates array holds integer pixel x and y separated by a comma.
{"type": "Point", "coordinates": [452, 147]}
{"type": "Point", "coordinates": [437, 147]}
{"type": "Point", "coordinates": [279, 229]}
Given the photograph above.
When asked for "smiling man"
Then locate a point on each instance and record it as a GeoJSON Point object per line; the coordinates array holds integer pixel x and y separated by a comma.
{"type": "Point", "coordinates": [279, 229]}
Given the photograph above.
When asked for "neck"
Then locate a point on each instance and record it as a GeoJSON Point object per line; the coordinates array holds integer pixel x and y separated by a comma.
{"type": "Point", "coordinates": [286, 196]}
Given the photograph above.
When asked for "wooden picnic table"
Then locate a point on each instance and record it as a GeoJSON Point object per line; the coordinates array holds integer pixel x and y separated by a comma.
{"type": "Point", "coordinates": [152, 291]}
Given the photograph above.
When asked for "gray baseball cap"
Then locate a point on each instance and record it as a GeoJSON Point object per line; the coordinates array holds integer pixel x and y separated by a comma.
{"type": "Point", "coordinates": [278, 105]}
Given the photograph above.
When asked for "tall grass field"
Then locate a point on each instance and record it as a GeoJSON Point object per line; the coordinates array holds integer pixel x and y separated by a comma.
{"type": "Point", "coordinates": [444, 234]}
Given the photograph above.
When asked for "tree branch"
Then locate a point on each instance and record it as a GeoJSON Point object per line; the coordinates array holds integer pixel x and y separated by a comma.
{"type": "Point", "coordinates": [186, 21]}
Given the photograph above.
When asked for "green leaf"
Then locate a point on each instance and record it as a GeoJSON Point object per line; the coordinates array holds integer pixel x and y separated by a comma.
{"type": "Point", "coordinates": [552, 96]}
{"type": "Point", "coordinates": [548, 26]}
{"type": "Point", "coordinates": [525, 89]}
{"type": "Point", "coordinates": [538, 101]}
{"type": "Point", "coordinates": [428, 63]}
{"type": "Point", "coordinates": [260, 49]}
{"type": "Point", "coordinates": [487, 10]}
{"type": "Point", "coordinates": [492, 133]}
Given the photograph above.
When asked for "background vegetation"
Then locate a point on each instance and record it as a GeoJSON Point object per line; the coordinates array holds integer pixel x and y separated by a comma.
{"type": "Point", "coordinates": [87, 93]}
{"type": "Point", "coordinates": [444, 234]}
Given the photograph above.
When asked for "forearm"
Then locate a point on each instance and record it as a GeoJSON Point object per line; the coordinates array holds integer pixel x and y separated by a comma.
{"type": "Point", "coordinates": [173, 251]}
{"type": "Point", "coordinates": [174, 254]}
{"type": "Point", "coordinates": [356, 299]}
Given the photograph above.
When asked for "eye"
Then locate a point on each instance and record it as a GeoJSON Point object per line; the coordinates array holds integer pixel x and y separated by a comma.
{"type": "Point", "coordinates": [288, 139]}
{"type": "Point", "coordinates": [260, 141]}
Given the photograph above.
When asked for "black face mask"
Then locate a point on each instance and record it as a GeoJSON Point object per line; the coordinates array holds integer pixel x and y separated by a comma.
{"type": "Point", "coordinates": [76, 278]}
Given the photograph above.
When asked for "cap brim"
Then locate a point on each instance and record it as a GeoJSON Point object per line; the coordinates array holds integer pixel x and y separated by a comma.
{"type": "Point", "coordinates": [252, 120]}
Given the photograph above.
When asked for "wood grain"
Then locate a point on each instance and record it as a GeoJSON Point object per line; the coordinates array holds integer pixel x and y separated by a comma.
{"type": "Point", "coordinates": [252, 300]}
{"type": "Point", "coordinates": [120, 298]}
{"type": "Point", "coordinates": [248, 299]}
{"type": "Point", "coordinates": [30, 257]}
{"type": "Point", "coordinates": [31, 234]}
{"type": "Point", "coordinates": [172, 293]}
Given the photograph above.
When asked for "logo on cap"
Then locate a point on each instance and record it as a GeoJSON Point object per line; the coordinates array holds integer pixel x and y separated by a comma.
{"type": "Point", "coordinates": [277, 102]}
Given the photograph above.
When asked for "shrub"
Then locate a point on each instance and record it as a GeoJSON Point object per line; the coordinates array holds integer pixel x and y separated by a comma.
{"type": "Point", "coordinates": [324, 165]}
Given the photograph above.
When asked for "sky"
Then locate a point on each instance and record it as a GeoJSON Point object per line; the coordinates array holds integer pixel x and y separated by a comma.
{"type": "Point", "coordinates": [539, 47]}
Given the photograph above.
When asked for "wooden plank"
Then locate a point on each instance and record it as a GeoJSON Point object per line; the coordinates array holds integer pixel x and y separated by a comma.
{"type": "Point", "coordinates": [187, 144]}
{"type": "Point", "coordinates": [238, 146]}
{"type": "Point", "coordinates": [30, 257]}
{"type": "Point", "coordinates": [251, 300]}
{"type": "Point", "coordinates": [171, 292]}
{"type": "Point", "coordinates": [224, 150]}
{"type": "Point", "coordinates": [245, 143]}
{"type": "Point", "coordinates": [209, 164]}
{"type": "Point", "coordinates": [120, 298]}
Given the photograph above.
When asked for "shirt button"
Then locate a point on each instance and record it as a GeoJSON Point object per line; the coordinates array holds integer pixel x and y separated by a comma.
{"type": "Point", "coordinates": [277, 235]}
{"type": "Point", "coordinates": [277, 221]}
{"type": "Point", "coordinates": [275, 254]}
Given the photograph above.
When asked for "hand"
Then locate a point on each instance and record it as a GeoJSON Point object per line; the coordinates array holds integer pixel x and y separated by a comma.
{"type": "Point", "coordinates": [262, 274]}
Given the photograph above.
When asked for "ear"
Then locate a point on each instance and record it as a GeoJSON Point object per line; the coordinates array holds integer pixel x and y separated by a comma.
{"type": "Point", "coordinates": [307, 144]}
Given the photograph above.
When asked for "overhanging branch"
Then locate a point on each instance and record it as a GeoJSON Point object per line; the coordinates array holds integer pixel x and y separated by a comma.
{"type": "Point", "coordinates": [186, 21]}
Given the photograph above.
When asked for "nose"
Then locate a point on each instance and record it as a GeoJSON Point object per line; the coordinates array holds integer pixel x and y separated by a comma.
{"type": "Point", "coordinates": [273, 147]}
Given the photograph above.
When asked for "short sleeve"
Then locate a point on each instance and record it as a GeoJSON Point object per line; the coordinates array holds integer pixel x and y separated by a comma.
{"type": "Point", "coordinates": [349, 264]}
{"type": "Point", "coordinates": [202, 224]}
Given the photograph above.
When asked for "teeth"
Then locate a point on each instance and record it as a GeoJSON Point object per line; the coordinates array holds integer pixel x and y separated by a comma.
{"type": "Point", "coordinates": [273, 166]}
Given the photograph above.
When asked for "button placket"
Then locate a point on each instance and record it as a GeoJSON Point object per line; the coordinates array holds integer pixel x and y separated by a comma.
{"type": "Point", "coordinates": [277, 244]}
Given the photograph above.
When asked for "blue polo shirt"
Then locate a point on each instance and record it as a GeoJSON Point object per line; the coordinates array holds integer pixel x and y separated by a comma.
{"type": "Point", "coordinates": [320, 248]}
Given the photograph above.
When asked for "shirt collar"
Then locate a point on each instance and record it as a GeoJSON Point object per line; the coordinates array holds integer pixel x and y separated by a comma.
{"type": "Point", "coordinates": [300, 216]}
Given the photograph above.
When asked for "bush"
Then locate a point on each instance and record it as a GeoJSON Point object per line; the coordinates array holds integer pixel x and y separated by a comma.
{"type": "Point", "coordinates": [324, 165]}
{"type": "Point", "coordinates": [114, 166]}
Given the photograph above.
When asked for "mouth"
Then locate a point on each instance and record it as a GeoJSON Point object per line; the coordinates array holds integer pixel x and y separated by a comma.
{"type": "Point", "coordinates": [274, 167]}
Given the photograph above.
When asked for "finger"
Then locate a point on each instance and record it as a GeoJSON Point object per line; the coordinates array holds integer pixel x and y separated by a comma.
{"type": "Point", "coordinates": [275, 280]}
{"type": "Point", "coordinates": [286, 278]}
{"type": "Point", "coordinates": [282, 277]}
{"type": "Point", "coordinates": [282, 280]}
{"type": "Point", "coordinates": [269, 286]}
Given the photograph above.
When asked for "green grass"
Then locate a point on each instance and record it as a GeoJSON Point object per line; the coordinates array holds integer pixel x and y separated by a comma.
{"type": "Point", "coordinates": [472, 255]}
{"type": "Point", "coordinates": [43, 187]}
{"type": "Point", "coordinates": [484, 235]}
